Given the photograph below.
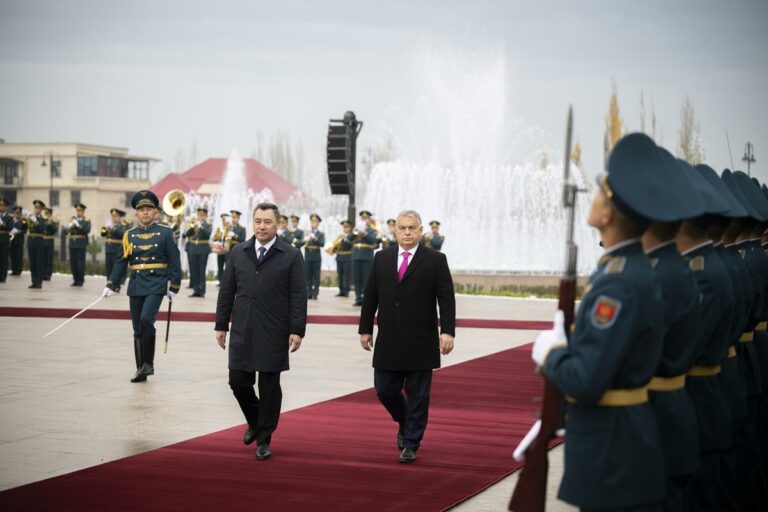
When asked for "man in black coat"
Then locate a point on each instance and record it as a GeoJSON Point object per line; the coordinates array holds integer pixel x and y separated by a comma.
{"type": "Point", "coordinates": [263, 293]}
{"type": "Point", "coordinates": [407, 280]}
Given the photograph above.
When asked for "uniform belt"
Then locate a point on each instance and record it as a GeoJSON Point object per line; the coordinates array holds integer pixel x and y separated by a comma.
{"type": "Point", "coordinates": [113, 241]}
{"type": "Point", "coordinates": [147, 266]}
{"type": "Point", "coordinates": [311, 248]}
{"type": "Point", "coordinates": [747, 337]}
{"type": "Point", "coordinates": [731, 352]}
{"type": "Point", "coordinates": [704, 370]}
{"type": "Point", "coordinates": [364, 246]}
{"type": "Point", "coordinates": [620, 397]}
{"type": "Point", "coordinates": [76, 237]}
{"type": "Point", "coordinates": [762, 326]}
{"type": "Point", "coordinates": [35, 235]}
{"type": "Point", "coordinates": [343, 253]}
{"type": "Point", "coordinates": [667, 383]}
{"type": "Point", "coordinates": [4, 232]}
{"type": "Point", "coordinates": [47, 237]}
{"type": "Point", "coordinates": [198, 242]}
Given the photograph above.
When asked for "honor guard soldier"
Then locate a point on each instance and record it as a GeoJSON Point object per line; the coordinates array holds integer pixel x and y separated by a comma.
{"type": "Point", "coordinates": [312, 257]}
{"type": "Point", "coordinates": [78, 230]}
{"type": "Point", "coordinates": [613, 453]}
{"type": "Point", "coordinates": [113, 243]}
{"type": "Point", "coordinates": [51, 230]}
{"type": "Point", "coordinates": [434, 240]}
{"type": "Point", "coordinates": [220, 236]}
{"type": "Point", "coordinates": [342, 248]}
{"type": "Point", "coordinates": [364, 241]}
{"type": "Point", "coordinates": [389, 239]}
{"type": "Point", "coordinates": [298, 233]}
{"type": "Point", "coordinates": [36, 228]}
{"type": "Point", "coordinates": [198, 234]}
{"type": "Point", "coordinates": [6, 225]}
{"type": "Point", "coordinates": [282, 230]}
{"type": "Point", "coordinates": [152, 258]}
{"type": "Point", "coordinates": [18, 231]}
{"type": "Point", "coordinates": [237, 233]}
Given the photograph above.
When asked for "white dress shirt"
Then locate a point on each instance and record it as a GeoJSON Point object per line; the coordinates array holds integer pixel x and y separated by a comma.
{"type": "Point", "coordinates": [266, 246]}
{"type": "Point", "coordinates": [400, 252]}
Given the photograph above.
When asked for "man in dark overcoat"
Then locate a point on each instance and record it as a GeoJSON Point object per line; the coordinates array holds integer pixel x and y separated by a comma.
{"type": "Point", "coordinates": [407, 282]}
{"type": "Point", "coordinates": [263, 295]}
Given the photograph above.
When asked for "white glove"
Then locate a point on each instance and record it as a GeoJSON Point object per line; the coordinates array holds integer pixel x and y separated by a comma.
{"type": "Point", "coordinates": [519, 453]}
{"type": "Point", "coordinates": [546, 340]}
{"type": "Point", "coordinates": [14, 231]}
{"type": "Point", "coordinates": [360, 226]}
{"type": "Point", "coordinates": [171, 295]}
{"type": "Point", "coordinates": [280, 231]}
{"type": "Point", "coordinates": [33, 218]}
{"type": "Point", "coordinates": [107, 292]}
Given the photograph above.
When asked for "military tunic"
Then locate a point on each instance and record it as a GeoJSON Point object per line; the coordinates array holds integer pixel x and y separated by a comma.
{"type": "Point", "coordinates": [36, 227]}
{"type": "Point", "coordinates": [613, 454]}
{"type": "Point", "coordinates": [434, 241]}
{"type": "Point", "coordinates": [113, 246]}
{"type": "Point", "coordinates": [312, 259]}
{"type": "Point", "coordinates": [78, 243]}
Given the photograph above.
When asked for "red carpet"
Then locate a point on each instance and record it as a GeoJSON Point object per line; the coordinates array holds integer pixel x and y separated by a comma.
{"type": "Point", "coordinates": [338, 455]}
{"type": "Point", "coordinates": [193, 316]}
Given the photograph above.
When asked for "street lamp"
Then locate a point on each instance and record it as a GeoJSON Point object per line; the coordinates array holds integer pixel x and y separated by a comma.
{"type": "Point", "coordinates": [749, 157]}
{"type": "Point", "coordinates": [50, 185]}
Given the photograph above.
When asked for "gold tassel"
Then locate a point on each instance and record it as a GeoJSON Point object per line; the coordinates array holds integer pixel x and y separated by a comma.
{"type": "Point", "coordinates": [127, 246]}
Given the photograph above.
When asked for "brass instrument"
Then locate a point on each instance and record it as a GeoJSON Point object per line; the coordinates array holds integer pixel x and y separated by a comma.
{"type": "Point", "coordinates": [174, 202]}
{"type": "Point", "coordinates": [331, 249]}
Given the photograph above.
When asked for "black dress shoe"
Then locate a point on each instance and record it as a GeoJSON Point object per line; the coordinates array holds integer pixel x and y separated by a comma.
{"type": "Point", "coordinates": [263, 452]}
{"type": "Point", "coordinates": [357, 304]}
{"type": "Point", "coordinates": [140, 376]}
{"type": "Point", "coordinates": [35, 286]}
{"type": "Point", "coordinates": [407, 456]}
{"type": "Point", "coordinates": [194, 295]}
{"type": "Point", "coordinates": [250, 436]}
{"type": "Point", "coordinates": [339, 295]}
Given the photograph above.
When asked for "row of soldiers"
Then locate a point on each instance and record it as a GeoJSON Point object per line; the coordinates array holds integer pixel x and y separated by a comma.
{"type": "Point", "coordinates": [665, 372]}
{"type": "Point", "coordinates": [40, 228]}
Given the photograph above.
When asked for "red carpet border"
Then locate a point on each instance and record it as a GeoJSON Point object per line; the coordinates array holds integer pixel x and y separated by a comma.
{"type": "Point", "coordinates": [338, 455]}
{"type": "Point", "coordinates": [191, 316]}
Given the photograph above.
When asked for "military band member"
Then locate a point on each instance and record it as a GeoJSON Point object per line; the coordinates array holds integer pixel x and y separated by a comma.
{"type": "Point", "coordinates": [151, 257]}
{"type": "Point", "coordinates": [237, 233]}
{"type": "Point", "coordinates": [6, 225]}
{"type": "Point", "coordinates": [434, 240]}
{"type": "Point", "coordinates": [198, 236]}
{"type": "Point", "coordinates": [389, 239]}
{"type": "Point", "coordinates": [297, 233]}
{"type": "Point", "coordinates": [283, 231]}
{"type": "Point", "coordinates": [36, 228]}
{"type": "Point", "coordinates": [315, 241]}
{"type": "Point", "coordinates": [51, 230]}
{"type": "Point", "coordinates": [613, 452]}
{"type": "Point", "coordinates": [220, 236]}
{"type": "Point", "coordinates": [113, 243]}
{"type": "Point", "coordinates": [78, 230]}
{"type": "Point", "coordinates": [364, 241]}
{"type": "Point", "coordinates": [342, 248]}
{"type": "Point", "coordinates": [18, 232]}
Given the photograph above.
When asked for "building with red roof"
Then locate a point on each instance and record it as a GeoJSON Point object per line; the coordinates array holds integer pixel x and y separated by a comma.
{"type": "Point", "coordinates": [205, 179]}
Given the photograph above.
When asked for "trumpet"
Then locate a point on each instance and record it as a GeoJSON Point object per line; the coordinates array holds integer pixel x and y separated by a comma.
{"type": "Point", "coordinates": [331, 249]}
{"type": "Point", "coordinates": [174, 202]}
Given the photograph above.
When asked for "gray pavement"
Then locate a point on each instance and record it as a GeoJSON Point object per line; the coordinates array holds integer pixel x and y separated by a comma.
{"type": "Point", "coordinates": [66, 402]}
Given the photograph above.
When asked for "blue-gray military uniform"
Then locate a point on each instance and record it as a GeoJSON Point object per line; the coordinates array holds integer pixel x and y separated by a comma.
{"type": "Point", "coordinates": [113, 243]}
{"type": "Point", "coordinates": [613, 451]}
{"type": "Point", "coordinates": [312, 259]}
{"type": "Point", "coordinates": [6, 225]}
{"type": "Point", "coordinates": [342, 248]}
{"type": "Point", "coordinates": [363, 244]}
{"type": "Point", "coordinates": [151, 257]}
{"type": "Point", "coordinates": [297, 235]}
{"type": "Point", "coordinates": [431, 240]}
{"type": "Point", "coordinates": [78, 231]}
{"type": "Point", "coordinates": [36, 230]}
{"type": "Point", "coordinates": [199, 250]}
{"type": "Point", "coordinates": [19, 232]}
{"type": "Point", "coordinates": [49, 240]}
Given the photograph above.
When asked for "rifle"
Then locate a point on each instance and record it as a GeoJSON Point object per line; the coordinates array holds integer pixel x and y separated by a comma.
{"type": "Point", "coordinates": [530, 492]}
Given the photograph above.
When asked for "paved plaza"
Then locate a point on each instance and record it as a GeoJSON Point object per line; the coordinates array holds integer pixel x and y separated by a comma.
{"type": "Point", "coordinates": [66, 402]}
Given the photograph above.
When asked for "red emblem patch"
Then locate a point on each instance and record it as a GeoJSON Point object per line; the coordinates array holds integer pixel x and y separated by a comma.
{"type": "Point", "coordinates": [605, 312]}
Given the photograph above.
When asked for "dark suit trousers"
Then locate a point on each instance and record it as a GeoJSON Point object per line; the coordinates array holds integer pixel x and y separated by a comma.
{"type": "Point", "coordinates": [261, 412]}
{"type": "Point", "coordinates": [411, 409]}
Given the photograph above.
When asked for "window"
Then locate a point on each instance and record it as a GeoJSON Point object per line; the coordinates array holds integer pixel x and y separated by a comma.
{"type": "Point", "coordinates": [9, 195]}
{"type": "Point", "coordinates": [75, 197]}
{"type": "Point", "coordinates": [56, 169]}
{"type": "Point", "coordinates": [111, 167]}
{"type": "Point", "coordinates": [9, 171]}
{"type": "Point", "coordinates": [54, 199]}
{"type": "Point", "coordinates": [87, 166]}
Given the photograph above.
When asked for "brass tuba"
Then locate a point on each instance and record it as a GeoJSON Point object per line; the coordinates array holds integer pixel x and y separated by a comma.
{"type": "Point", "coordinates": [174, 202]}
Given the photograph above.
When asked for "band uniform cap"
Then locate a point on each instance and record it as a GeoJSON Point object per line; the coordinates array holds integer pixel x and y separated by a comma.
{"type": "Point", "coordinates": [753, 193]}
{"type": "Point", "coordinates": [365, 214]}
{"type": "Point", "coordinates": [80, 206]}
{"type": "Point", "coordinates": [38, 203]}
{"type": "Point", "coordinates": [714, 203]}
{"type": "Point", "coordinates": [144, 198]}
{"type": "Point", "coordinates": [48, 209]}
{"type": "Point", "coordinates": [735, 209]}
{"type": "Point", "coordinates": [434, 223]}
{"type": "Point", "coordinates": [294, 217]}
{"type": "Point", "coordinates": [16, 209]}
{"type": "Point", "coordinates": [235, 213]}
{"type": "Point", "coordinates": [316, 217]}
{"type": "Point", "coordinates": [283, 217]}
{"type": "Point", "coordinates": [225, 214]}
{"type": "Point", "coordinates": [202, 209]}
{"type": "Point", "coordinates": [638, 180]}
{"type": "Point", "coordinates": [3, 202]}
{"type": "Point", "coordinates": [391, 222]}
{"type": "Point", "coordinates": [117, 211]}
{"type": "Point", "coordinates": [689, 201]}
{"type": "Point", "coordinates": [347, 223]}
{"type": "Point", "coordinates": [730, 181]}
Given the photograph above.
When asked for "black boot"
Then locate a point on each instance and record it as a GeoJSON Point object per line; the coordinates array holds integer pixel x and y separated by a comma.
{"type": "Point", "coordinates": [148, 351]}
{"type": "Point", "coordinates": [139, 376]}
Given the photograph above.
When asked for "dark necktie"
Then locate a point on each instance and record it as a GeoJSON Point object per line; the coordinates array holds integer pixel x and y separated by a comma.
{"type": "Point", "coordinates": [262, 250]}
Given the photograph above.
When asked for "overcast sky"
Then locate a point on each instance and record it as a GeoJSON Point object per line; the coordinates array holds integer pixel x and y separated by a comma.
{"type": "Point", "coordinates": [155, 75]}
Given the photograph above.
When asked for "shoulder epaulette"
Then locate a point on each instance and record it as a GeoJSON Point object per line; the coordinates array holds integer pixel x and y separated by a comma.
{"type": "Point", "coordinates": [88, 219]}
{"type": "Point", "coordinates": [616, 265]}
{"type": "Point", "coordinates": [696, 263]}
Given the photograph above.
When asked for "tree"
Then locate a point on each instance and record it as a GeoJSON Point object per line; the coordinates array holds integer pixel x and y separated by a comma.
{"type": "Point", "coordinates": [642, 111]}
{"type": "Point", "coordinates": [576, 155]}
{"type": "Point", "coordinates": [614, 124]}
{"type": "Point", "coordinates": [689, 143]}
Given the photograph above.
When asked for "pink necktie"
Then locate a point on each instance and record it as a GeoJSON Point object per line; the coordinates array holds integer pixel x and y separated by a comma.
{"type": "Point", "coordinates": [403, 267]}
